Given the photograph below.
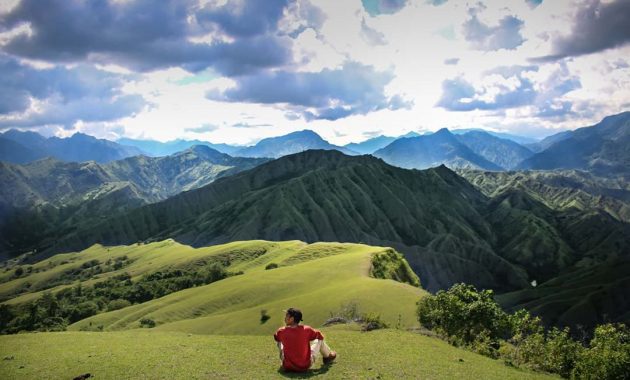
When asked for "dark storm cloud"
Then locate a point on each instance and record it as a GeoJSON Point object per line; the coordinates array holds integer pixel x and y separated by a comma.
{"type": "Point", "coordinates": [146, 35]}
{"type": "Point", "coordinates": [506, 35]}
{"type": "Point", "coordinates": [460, 95]}
{"type": "Point", "coordinates": [377, 7]}
{"type": "Point", "coordinates": [67, 95]}
{"type": "Point", "coordinates": [329, 94]}
{"type": "Point", "coordinates": [596, 27]}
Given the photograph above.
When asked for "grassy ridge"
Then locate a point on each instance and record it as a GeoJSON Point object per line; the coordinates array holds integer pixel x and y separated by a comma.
{"type": "Point", "coordinates": [142, 258]}
{"type": "Point", "coordinates": [383, 354]}
{"type": "Point", "coordinates": [319, 278]}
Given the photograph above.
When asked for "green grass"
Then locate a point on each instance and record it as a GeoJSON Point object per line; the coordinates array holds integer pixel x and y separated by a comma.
{"type": "Point", "coordinates": [318, 278]}
{"type": "Point", "coordinates": [382, 354]}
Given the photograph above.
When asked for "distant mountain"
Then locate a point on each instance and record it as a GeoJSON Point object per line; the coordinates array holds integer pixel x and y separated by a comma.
{"type": "Point", "coordinates": [13, 151]}
{"type": "Point", "coordinates": [441, 147]}
{"type": "Point", "coordinates": [371, 145]}
{"type": "Point", "coordinates": [156, 148]}
{"type": "Point", "coordinates": [522, 140]}
{"type": "Point", "coordinates": [602, 148]}
{"type": "Point", "coordinates": [548, 141]}
{"type": "Point", "coordinates": [77, 148]}
{"type": "Point", "coordinates": [294, 142]}
{"type": "Point", "coordinates": [57, 195]}
{"type": "Point", "coordinates": [504, 153]}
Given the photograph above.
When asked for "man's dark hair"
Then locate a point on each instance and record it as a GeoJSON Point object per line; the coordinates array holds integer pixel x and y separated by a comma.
{"type": "Point", "coordinates": [295, 313]}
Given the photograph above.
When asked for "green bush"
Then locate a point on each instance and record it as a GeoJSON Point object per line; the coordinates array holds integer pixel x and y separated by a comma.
{"type": "Point", "coordinates": [608, 356]}
{"type": "Point", "coordinates": [264, 317]}
{"type": "Point", "coordinates": [392, 265]}
{"type": "Point", "coordinates": [465, 316]}
{"type": "Point", "coordinates": [147, 322]}
{"type": "Point", "coordinates": [373, 321]}
{"type": "Point", "coordinates": [561, 352]}
{"type": "Point", "coordinates": [117, 304]}
{"type": "Point", "coordinates": [462, 314]}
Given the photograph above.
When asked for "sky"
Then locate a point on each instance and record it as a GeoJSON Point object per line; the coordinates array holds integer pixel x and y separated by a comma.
{"type": "Point", "coordinates": [238, 71]}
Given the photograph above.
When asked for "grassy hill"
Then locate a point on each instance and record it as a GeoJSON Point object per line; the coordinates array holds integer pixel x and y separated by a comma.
{"type": "Point", "coordinates": [382, 354]}
{"type": "Point", "coordinates": [319, 278]}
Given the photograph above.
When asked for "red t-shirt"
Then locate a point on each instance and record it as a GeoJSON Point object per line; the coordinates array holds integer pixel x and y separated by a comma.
{"type": "Point", "coordinates": [296, 346]}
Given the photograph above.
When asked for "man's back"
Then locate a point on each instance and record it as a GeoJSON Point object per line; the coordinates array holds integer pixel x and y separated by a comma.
{"type": "Point", "coordinates": [296, 348]}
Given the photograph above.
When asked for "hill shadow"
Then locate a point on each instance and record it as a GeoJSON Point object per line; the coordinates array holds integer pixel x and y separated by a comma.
{"type": "Point", "coordinates": [305, 375]}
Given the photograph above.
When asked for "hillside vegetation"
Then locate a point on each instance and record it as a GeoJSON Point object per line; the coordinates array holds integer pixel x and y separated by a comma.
{"type": "Point", "coordinates": [320, 278]}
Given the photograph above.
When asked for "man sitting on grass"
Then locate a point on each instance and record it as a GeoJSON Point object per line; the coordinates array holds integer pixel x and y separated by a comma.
{"type": "Point", "coordinates": [294, 342]}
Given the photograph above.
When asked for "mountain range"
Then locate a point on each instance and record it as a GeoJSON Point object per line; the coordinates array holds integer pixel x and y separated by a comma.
{"type": "Point", "coordinates": [156, 148]}
{"type": "Point", "coordinates": [22, 147]}
{"type": "Point", "coordinates": [441, 147]}
{"type": "Point", "coordinates": [542, 239]}
{"type": "Point", "coordinates": [54, 195]}
{"type": "Point", "coordinates": [448, 230]}
{"type": "Point", "coordinates": [601, 148]}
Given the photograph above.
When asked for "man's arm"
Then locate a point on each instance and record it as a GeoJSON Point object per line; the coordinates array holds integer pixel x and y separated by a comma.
{"type": "Point", "coordinates": [315, 334]}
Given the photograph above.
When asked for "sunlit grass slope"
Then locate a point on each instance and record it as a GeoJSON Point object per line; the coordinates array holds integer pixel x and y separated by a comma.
{"type": "Point", "coordinates": [141, 259]}
{"type": "Point", "coordinates": [318, 278]}
{"type": "Point", "coordinates": [382, 354]}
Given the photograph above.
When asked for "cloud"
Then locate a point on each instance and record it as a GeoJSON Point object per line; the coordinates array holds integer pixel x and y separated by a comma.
{"type": "Point", "coordinates": [145, 35]}
{"type": "Point", "coordinates": [505, 35]}
{"type": "Point", "coordinates": [247, 125]}
{"type": "Point", "coordinates": [329, 94]}
{"type": "Point", "coordinates": [598, 26]}
{"type": "Point", "coordinates": [451, 61]}
{"type": "Point", "coordinates": [436, 3]}
{"type": "Point", "coordinates": [243, 19]}
{"type": "Point", "coordinates": [207, 127]}
{"type": "Point", "coordinates": [372, 36]}
{"type": "Point", "coordinates": [377, 7]}
{"type": "Point", "coordinates": [63, 96]}
{"type": "Point", "coordinates": [512, 87]}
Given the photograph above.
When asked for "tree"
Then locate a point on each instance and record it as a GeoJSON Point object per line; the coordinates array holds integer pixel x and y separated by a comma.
{"type": "Point", "coordinates": [463, 313]}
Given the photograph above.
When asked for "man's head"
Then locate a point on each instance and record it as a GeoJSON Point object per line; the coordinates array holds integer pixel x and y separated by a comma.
{"type": "Point", "coordinates": [293, 316]}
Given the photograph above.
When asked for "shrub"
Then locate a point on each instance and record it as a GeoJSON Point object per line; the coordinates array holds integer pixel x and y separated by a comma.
{"type": "Point", "coordinates": [117, 304]}
{"type": "Point", "coordinates": [462, 313]}
{"type": "Point", "coordinates": [271, 266]}
{"type": "Point", "coordinates": [373, 321]}
{"type": "Point", "coordinates": [392, 265]}
{"type": "Point", "coordinates": [608, 356]}
{"type": "Point", "coordinates": [264, 317]}
{"type": "Point", "coordinates": [82, 310]}
{"type": "Point", "coordinates": [561, 352]}
{"type": "Point", "coordinates": [147, 322]}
